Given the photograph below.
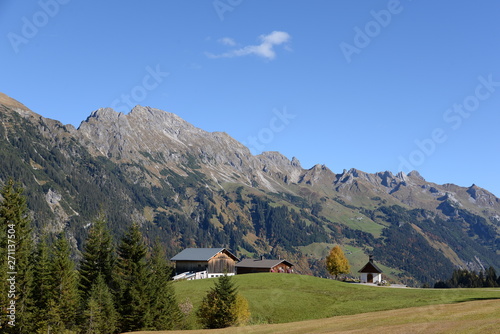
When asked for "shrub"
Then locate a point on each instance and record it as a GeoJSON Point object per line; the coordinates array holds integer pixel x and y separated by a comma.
{"type": "Point", "coordinates": [241, 311]}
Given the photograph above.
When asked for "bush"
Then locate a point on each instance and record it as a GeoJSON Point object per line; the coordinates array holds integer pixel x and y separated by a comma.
{"type": "Point", "coordinates": [241, 311]}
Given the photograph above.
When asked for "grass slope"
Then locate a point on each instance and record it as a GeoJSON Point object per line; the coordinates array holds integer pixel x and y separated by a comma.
{"type": "Point", "coordinates": [282, 298]}
{"type": "Point", "coordinates": [461, 318]}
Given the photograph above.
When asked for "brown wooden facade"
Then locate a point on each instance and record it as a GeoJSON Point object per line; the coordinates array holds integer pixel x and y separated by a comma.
{"type": "Point", "coordinates": [249, 266]}
{"type": "Point", "coordinates": [221, 263]}
{"type": "Point", "coordinates": [210, 259]}
{"type": "Point", "coordinates": [194, 266]}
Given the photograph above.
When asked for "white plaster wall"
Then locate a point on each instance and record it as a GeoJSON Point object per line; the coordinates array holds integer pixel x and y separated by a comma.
{"type": "Point", "coordinates": [364, 277]}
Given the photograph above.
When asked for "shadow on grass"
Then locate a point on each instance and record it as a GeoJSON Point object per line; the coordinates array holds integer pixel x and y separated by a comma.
{"type": "Point", "coordinates": [475, 298]}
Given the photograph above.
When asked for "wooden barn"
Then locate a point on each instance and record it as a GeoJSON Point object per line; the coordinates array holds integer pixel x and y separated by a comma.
{"type": "Point", "coordinates": [370, 273]}
{"type": "Point", "coordinates": [207, 262]}
{"type": "Point", "coordinates": [248, 266]}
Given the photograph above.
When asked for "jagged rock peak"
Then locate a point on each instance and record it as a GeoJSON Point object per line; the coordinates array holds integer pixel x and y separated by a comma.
{"type": "Point", "coordinates": [372, 178]}
{"type": "Point", "coordinates": [279, 160]}
{"type": "Point", "coordinates": [146, 115]}
{"type": "Point", "coordinates": [296, 162]}
{"type": "Point", "coordinates": [386, 174]}
{"type": "Point", "coordinates": [352, 172]}
{"type": "Point", "coordinates": [320, 168]}
{"type": "Point", "coordinates": [473, 191]}
{"type": "Point", "coordinates": [403, 177]}
{"type": "Point", "coordinates": [345, 176]}
{"type": "Point", "coordinates": [103, 113]}
{"type": "Point", "coordinates": [415, 175]}
{"type": "Point", "coordinates": [274, 155]}
{"type": "Point", "coordinates": [275, 163]}
{"type": "Point", "coordinates": [149, 114]}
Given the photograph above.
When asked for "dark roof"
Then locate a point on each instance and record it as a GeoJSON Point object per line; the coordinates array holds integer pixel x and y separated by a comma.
{"type": "Point", "coordinates": [257, 263]}
{"type": "Point", "coordinates": [370, 267]}
{"type": "Point", "coordinates": [201, 254]}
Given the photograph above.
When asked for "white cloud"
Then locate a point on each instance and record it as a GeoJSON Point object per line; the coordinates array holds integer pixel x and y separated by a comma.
{"type": "Point", "coordinates": [265, 49]}
{"type": "Point", "coordinates": [227, 41]}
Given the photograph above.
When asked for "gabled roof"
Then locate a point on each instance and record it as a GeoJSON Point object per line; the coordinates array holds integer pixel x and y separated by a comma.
{"type": "Point", "coordinates": [257, 263]}
{"type": "Point", "coordinates": [201, 254]}
{"type": "Point", "coordinates": [370, 267]}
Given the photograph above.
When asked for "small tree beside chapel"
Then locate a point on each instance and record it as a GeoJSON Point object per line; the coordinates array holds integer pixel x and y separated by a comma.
{"type": "Point", "coordinates": [337, 263]}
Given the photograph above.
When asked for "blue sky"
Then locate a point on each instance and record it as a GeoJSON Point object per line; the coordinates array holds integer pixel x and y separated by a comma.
{"type": "Point", "coordinates": [373, 85]}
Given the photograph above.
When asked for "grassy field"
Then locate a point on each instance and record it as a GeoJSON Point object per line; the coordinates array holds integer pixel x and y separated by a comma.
{"type": "Point", "coordinates": [473, 317]}
{"type": "Point", "coordinates": [282, 298]}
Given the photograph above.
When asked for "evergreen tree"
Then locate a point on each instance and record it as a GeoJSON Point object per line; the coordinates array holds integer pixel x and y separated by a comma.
{"type": "Point", "coordinates": [16, 250]}
{"type": "Point", "coordinates": [337, 263]}
{"type": "Point", "coordinates": [42, 289]}
{"type": "Point", "coordinates": [164, 310]}
{"type": "Point", "coordinates": [98, 257]}
{"type": "Point", "coordinates": [64, 298]}
{"type": "Point", "coordinates": [100, 315]}
{"type": "Point", "coordinates": [217, 307]}
{"type": "Point", "coordinates": [132, 275]}
{"type": "Point", "coordinates": [463, 278]}
{"type": "Point", "coordinates": [491, 277]}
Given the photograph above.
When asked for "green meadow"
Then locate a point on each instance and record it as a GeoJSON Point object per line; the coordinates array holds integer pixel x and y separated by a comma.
{"type": "Point", "coordinates": [473, 317]}
{"type": "Point", "coordinates": [283, 298]}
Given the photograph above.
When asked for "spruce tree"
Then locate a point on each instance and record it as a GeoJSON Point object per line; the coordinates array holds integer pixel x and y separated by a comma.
{"type": "Point", "coordinates": [42, 288]}
{"type": "Point", "coordinates": [64, 299]}
{"type": "Point", "coordinates": [164, 310]}
{"type": "Point", "coordinates": [132, 275]}
{"type": "Point", "coordinates": [100, 315]}
{"type": "Point", "coordinates": [16, 250]}
{"type": "Point", "coordinates": [217, 307]}
{"type": "Point", "coordinates": [98, 257]}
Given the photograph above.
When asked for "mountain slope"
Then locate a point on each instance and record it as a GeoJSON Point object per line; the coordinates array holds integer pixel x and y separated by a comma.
{"type": "Point", "coordinates": [189, 187]}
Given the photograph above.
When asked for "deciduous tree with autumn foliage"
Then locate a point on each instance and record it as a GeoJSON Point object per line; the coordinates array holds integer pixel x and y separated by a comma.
{"type": "Point", "coordinates": [337, 263]}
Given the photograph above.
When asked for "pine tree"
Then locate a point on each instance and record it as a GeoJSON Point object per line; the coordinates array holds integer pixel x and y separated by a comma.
{"type": "Point", "coordinates": [16, 250]}
{"type": "Point", "coordinates": [100, 315]}
{"type": "Point", "coordinates": [217, 307]}
{"type": "Point", "coordinates": [64, 299]}
{"type": "Point", "coordinates": [337, 263]}
{"type": "Point", "coordinates": [98, 257]}
{"type": "Point", "coordinates": [132, 274]}
{"type": "Point", "coordinates": [164, 310]}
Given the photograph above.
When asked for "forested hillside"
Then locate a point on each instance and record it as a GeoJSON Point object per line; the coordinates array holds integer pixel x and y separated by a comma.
{"type": "Point", "coordinates": [189, 188]}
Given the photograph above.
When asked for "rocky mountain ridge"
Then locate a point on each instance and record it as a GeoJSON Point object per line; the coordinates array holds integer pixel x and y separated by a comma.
{"type": "Point", "coordinates": [153, 167]}
{"type": "Point", "coordinates": [147, 132]}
